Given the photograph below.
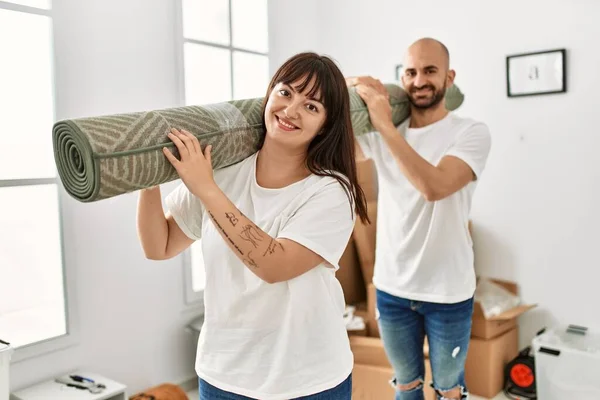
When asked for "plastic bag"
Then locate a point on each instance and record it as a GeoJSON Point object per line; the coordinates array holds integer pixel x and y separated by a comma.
{"type": "Point", "coordinates": [494, 299]}
{"type": "Point", "coordinates": [353, 322]}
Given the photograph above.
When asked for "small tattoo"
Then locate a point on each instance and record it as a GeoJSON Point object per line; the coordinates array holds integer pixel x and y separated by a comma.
{"type": "Point", "coordinates": [225, 233]}
{"type": "Point", "coordinates": [249, 261]}
{"type": "Point", "coordinates": [251, 234]}
{"type": "Point", "coordinates": [272, 246]}
{"type": "Point", "coordinates": [232, 218]}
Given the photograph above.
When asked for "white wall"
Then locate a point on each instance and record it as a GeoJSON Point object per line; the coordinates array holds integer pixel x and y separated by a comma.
{"type": "Point", "coordinates": [117, 56]}
{"type": "Point", "coordinates": [293, 28]}
{"type": "Point", "coordinates": [534, 211]}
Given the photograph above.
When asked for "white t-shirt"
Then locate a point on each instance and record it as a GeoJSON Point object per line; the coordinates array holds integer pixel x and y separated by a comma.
{"type": "Point", "coordinates": [423, 249]}
{"type": "Point", "coordinates": [282, 340]}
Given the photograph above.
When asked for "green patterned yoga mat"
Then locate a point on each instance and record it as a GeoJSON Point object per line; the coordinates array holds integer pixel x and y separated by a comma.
{"type": "Point", "coordinates": [106, 156]}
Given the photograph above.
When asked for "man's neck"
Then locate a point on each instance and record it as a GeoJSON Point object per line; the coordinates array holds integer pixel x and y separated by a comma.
{"type": "Point", "coordinates": [420, 118]}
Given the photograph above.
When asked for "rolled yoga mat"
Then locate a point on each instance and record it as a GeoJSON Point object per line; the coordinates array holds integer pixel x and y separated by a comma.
{"type": "Point", "coordinates": [106, 156]}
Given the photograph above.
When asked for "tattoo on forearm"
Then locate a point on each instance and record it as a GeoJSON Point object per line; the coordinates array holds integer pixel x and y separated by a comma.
{"type": "Point", "coordinates": [249, 261]}
{"type": "Point", "coordinates": [251, 234]}
{"type": "Point", "coordinates": [232, 218]}
{"type": "Point", "coordinates": [272, 246]}
{"type": "Point", "coordinates": [225, 233]}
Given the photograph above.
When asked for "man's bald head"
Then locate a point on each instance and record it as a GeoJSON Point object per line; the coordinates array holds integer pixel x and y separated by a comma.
{"type": "Point", "coordinates": [427, 73]}
{"type": "Point", "coordinates": [431, 48]}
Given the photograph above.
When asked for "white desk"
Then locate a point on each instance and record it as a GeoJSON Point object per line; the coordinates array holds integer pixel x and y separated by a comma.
{"type": "Point", "coordinates": [51, 390]}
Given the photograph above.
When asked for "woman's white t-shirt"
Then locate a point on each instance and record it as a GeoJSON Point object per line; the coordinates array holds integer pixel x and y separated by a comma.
{"type": "Point", "coordinates": [282, 340]}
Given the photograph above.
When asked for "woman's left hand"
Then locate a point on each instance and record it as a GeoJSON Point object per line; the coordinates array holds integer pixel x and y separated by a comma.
{"type": "Point", "coordinates": [380, 111]}
{"type": "Point", "coordinates": [194, 167]}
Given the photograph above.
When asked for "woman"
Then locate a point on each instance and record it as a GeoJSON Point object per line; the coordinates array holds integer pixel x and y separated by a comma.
{"type": "Point", "coordinates": [273, 229]}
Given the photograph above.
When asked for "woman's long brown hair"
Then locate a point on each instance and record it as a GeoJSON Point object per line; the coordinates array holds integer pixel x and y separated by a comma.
{"type": "Point", "coordinates": [333, 150]}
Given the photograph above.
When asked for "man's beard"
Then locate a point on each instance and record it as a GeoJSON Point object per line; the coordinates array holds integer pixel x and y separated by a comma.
{"type": "Point", "coordinates": [438, 96]}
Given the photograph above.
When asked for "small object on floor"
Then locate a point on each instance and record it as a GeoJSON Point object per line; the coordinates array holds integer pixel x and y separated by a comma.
{"type": "Point", "coordinates": [166, 391]}
{"type": "Point", "coordinates": [519, 375]}
{"type": "Point", "coordinates": [82, 383]}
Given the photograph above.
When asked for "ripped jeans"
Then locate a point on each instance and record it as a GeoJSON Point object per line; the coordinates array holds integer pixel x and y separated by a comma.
{"type": "Point", "coordinates": [404, 323]}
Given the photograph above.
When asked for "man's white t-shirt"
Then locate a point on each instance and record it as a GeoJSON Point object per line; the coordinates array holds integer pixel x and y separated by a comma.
{"type": "Point", "coordinates": [282, 340]}
{"type": "Point", "coordinates": [424, 250]}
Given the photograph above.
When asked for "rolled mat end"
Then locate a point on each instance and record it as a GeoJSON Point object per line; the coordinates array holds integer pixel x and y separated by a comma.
{"type": "Point", "coordinates": [75, 161]}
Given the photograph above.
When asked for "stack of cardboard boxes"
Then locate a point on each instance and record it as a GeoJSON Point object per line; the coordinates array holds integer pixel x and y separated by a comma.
{"type": "Point", "coordinates": [372, 370]}
{"type": "Point", "coordinates": [493, 344]}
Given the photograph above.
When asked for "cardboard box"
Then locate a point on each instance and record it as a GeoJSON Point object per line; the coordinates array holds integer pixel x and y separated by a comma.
{"type": "Point", "coordinates": [371, 311]}
{"type": "Point", "coordinates": [371, 382]}
{"type": "Point", "coordinates": [365, 234]}
{"type": "Point", "coordinates": [493, 327]}
{"type": "Point", "coordinates": [366, 175]}
{"type": "Point", "coordinates": [372, 300]}
{"type": "Point", "coordinates": [373, 328]}
{"type": "Point", "coordinates": [365, 238]}
{"type": "Point", "coordinates": [350, 275]}
{"type": "Point", "coordinates": [486, 360]}
{"type": "Point", "coordinates": [372, 371]}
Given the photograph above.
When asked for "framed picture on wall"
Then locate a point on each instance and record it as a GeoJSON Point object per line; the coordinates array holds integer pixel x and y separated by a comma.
{"type": "Point", "coordinates": [398, 71]}
{"type": "Point", "coordinates": [542, 72]}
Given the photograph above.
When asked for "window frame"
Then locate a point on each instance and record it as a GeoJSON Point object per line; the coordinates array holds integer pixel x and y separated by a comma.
{"type": "Point", "coordinates": [71, 336]}
{"type": "Point", "coordinates": [193, 298]}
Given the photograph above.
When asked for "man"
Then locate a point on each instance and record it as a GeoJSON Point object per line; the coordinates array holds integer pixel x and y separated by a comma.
{"type": "Point", "coordinates": [428, 169]}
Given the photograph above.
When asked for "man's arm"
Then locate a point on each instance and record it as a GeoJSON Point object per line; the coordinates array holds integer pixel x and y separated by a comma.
{"type": "Point", "coordinates": [435, 182]}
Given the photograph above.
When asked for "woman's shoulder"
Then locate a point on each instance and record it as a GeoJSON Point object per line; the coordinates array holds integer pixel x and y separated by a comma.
{"type": "Point", "coordinates": [330, 183]}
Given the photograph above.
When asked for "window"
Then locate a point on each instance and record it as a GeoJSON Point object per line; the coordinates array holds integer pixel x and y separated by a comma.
{"type": "Point", "coordinates": [32, 290]}
{"type": "Point", "coordinates": [225, 57]}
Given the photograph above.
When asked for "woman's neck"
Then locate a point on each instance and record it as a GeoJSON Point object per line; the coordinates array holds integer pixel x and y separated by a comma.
{"type": "Point", "coordinates": [277, 167]}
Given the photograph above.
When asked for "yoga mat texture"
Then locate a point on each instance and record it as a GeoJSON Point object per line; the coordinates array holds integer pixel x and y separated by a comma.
{"type": "Point", "coordinates": [106, 156]}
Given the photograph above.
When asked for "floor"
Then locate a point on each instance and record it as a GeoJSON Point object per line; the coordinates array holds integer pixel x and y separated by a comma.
{"type": "Point", "coordinates": [193, 395]}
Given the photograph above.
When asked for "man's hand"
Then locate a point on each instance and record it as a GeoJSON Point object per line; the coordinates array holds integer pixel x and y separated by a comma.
{"type": "Point", "coordinates": [368, 81]}
{"type": "Point", "coordinates": [380, 111]}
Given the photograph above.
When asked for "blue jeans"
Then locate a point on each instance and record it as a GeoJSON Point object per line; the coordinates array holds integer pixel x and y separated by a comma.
{"type": "Point", "coordinates": [404, 323]}
{"type": "Point", "coordinates": [343, 391]}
